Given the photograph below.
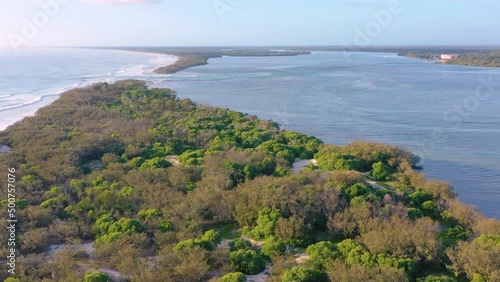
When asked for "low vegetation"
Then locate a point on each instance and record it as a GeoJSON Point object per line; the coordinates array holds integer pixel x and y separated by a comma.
{"type": "Point", "coordinates": [161, 186]}
{"type": "Point", "coordinates": [183, 63]}
{"type": "Point", "coordinates": [482, 60]}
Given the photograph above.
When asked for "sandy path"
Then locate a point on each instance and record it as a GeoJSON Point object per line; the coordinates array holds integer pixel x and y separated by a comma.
{"type": "Point", "coordinates": [299, 164]}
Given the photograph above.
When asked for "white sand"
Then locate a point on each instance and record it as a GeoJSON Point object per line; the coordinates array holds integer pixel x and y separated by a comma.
{"type": "Point", "coordinates": [173, 159]}
{"type": "Point", "coordinates": [224, 244]}
{"type": "Point", "coordinates": [301, 258]}
{"type": "Point", "coordinates": [88, 248]}
{"type": "Point", "coordinates": [299, 164]}
{"type": "Point", "coordinates": [374, 184]}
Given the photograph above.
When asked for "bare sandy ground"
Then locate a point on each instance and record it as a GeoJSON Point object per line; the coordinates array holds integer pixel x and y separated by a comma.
{"type": "Point", "coordinates": [88, 248]}
{"type": "Point", "coordinates": [299, 164]}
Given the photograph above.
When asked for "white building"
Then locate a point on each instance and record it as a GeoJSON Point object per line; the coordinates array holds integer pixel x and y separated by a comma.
{"type": "Point", "coordinates": [449, 56]}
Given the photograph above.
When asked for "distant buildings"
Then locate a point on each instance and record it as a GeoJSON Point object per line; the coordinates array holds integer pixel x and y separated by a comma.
{"type": "Point", "coordinates": [449, 56]}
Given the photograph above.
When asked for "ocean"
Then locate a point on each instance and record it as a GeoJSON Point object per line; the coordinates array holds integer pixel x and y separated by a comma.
{"type": "Point", "coordinates": [34, 78]}
{"type": "Point", "coordinates": [449, 115]}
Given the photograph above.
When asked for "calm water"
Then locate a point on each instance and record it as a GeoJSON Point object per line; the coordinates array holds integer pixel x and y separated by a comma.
{"type": "Point", "coordinates": [334, 96]}
{"type": "Point", "coordinates": [430, 109]}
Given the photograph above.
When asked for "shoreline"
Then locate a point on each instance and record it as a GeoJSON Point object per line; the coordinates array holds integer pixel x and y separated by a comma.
{"type": "Point", "coordinates": [189, 61]}
{"type": "Point", "coordinates": [16, 113]}
{"type": "Point", "coordinates": [182, 63]}
{"type": "Point", "coordinates": [324, 192]}
{"type": "Point", "coordinates": [465, 60]}
{"type": "Point", "coordinates": [190, 58]}
{"type": "Point", "coordinates": [297, 165]}
{"type": "Point", "coordinates": [101, 80]}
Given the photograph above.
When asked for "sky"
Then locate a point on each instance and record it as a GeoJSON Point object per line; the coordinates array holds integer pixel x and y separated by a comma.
{"type": "Point", "coordinates": [248, 22]}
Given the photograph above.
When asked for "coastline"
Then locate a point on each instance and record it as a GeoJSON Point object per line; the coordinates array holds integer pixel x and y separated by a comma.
{"type": "Point", "coordinates": [41, 97]}
{"type": "Point", "coordinates": [134, 52]}
{"type": "Point", "coordinates": [195, 56]}
{"type": "Point", "coordinates": [297, 165]}
{"type": "Point", "coordinates": [314, 188]}
{"type": "Point", "coordinates": [182, 63]}
{"type": "Point", "coordinates": [189, 61]}
{"type": "Point", "coordinates": [191, 57]}
{"type": "Point", "coordinates": [468, 60]}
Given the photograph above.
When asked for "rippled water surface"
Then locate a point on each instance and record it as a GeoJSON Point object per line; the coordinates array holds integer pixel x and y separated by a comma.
{"type": "Point", "coordinates": [449, 115]}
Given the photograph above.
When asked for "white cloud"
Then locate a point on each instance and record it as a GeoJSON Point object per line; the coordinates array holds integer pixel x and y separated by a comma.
{"type": "Point", "coordinates": [121, 1]}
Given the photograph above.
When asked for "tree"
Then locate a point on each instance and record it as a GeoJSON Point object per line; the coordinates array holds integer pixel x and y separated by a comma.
{"type": "Point", "coordinates": [434, 278]}
{"type": "Point", "coordinates": [155, 163]}
{"type": "Point", "coordinates": [476, 259]}
{"type": "Point", "coordinates": [240, 244]}
{"type": "Point", "coordinates": [380, 171]}
{"type": "Point", "coordinates": [339, 271]}
{"type": "Point", "coordinates": [301, 274]}
{"type": "Point", "coordinates": [192, 264]}
{"type": "Point", "coordinates": [399, 237]}
{"type": "Point", "coordinates": [293, 230]}
{"type": "Point", "coordinates": [34, 240]}
{"type": "Point", "coordinates": [96, 277]}
{"type": "Point", "coordinates": [266, 223]}
{"type": "Point", "coordinates": [233, 277]}
{"type": "Point", "coordinates": [322, 252]}
{"type": "Point", "coordinates": [207, 241]}
{"type": "Point", "coordinates": [95, 165]}
{"type": "Point", "coordinates": [247, 261]}
{"type": "Point", "coordinates": [273, 247]}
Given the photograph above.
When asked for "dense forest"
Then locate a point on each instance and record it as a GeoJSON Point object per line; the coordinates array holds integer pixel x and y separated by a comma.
{"type": "Point", "coordinates": [120, 182]}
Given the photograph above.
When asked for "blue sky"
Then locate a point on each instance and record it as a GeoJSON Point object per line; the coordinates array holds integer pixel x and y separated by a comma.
{"type": "Point", "coordinates": [249, 22]}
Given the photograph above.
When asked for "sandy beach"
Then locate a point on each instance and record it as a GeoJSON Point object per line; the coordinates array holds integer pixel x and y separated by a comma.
{"type": "Point", "coordinates": [27, 92]}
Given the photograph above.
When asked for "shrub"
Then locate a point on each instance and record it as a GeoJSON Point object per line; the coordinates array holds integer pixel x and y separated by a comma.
{"type": "Point", "coordinates": [273, 247]}
{"type": "Point", "coordinates": [266, 223]}
{"type": "Point", "coordinates": [247, 261]}
{"type": "Point", "coordinates": [240, 244]}
{"type": "Point", "coordinates": [233, 277]}
{"type": "Point", "coordinates": [96, 277]}
{"type": "Point", "coordinates": [300, 274]}
{"type": "Point", "coordinates": [322, 252]}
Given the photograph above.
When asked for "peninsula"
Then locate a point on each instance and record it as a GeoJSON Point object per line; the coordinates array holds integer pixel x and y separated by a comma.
{"type": "Point", "coordinates": [198, 56]}
{"type": "Point", "coordinates": [163, 189]}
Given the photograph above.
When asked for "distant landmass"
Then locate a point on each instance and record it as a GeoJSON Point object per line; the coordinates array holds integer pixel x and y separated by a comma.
{"type": "Point", "coordinates": [196, 56]}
